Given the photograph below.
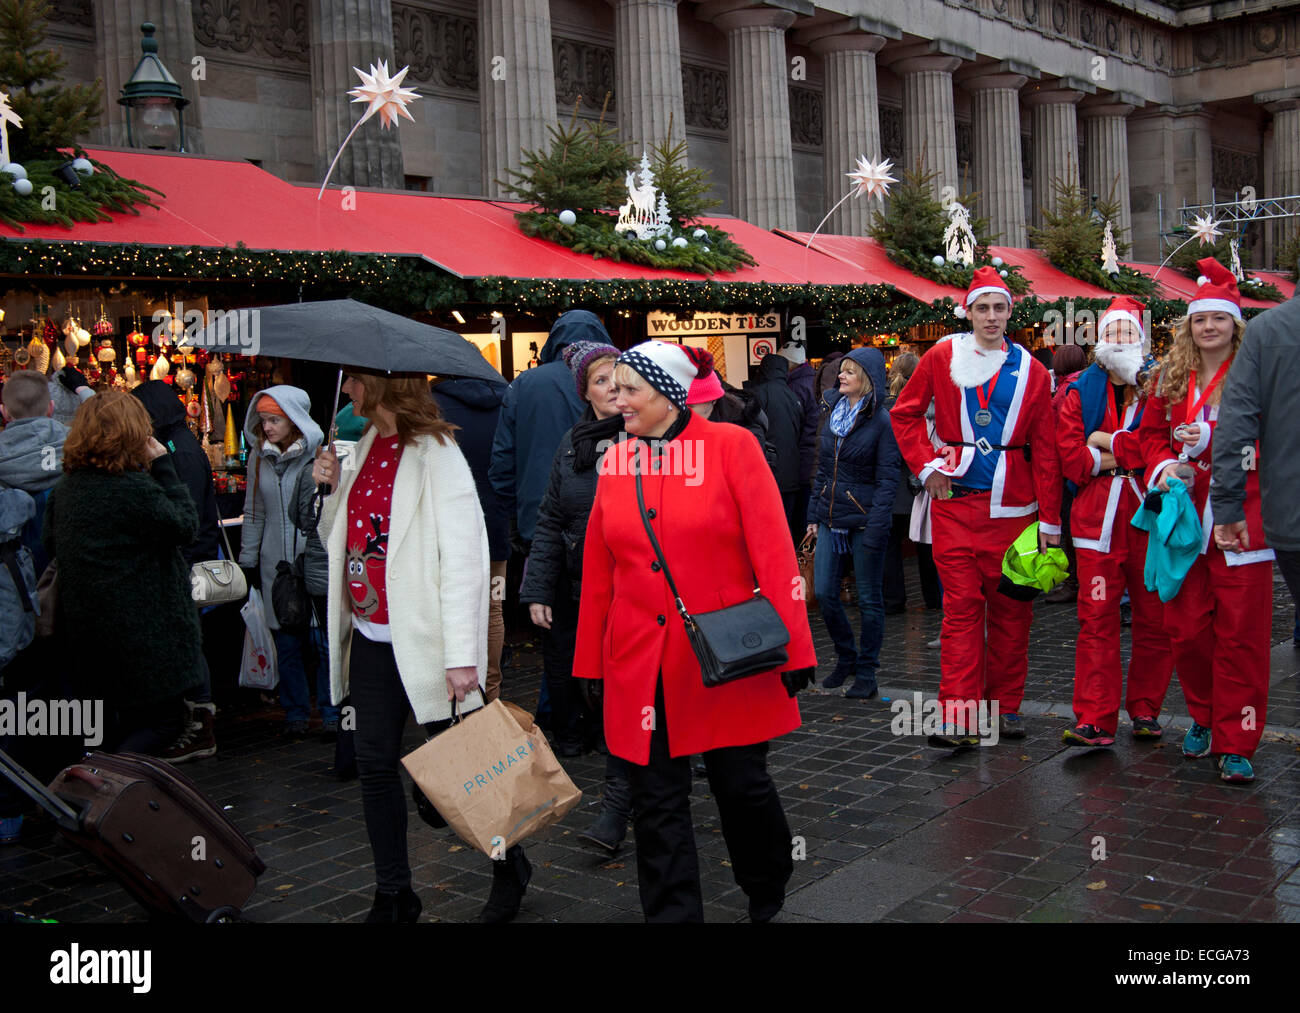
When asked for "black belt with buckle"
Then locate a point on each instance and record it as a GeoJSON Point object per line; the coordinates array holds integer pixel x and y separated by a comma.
{"type": "Point", "coordinates": [986, 448]}
{"type": "Point", "coordinates": [1118, 473]}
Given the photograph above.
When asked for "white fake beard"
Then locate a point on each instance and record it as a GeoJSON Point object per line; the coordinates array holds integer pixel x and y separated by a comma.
{"type": "Point", "coordinates": [1123, 361]}
{"type": "Point", "coordinates": [972, 365]}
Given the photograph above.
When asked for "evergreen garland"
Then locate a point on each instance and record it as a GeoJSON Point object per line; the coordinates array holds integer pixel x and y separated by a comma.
{"type": "Point", "coordinates": [911, 230]}
{"type": "Point", "coordinates": [1071, 239]}
{"type": "Point", "coordinates": [102, 191]}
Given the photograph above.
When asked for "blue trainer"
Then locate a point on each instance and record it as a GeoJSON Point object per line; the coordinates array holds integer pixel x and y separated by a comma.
{"type": "Point", "coordinates": [1235, 769]}
{"type": "Point", "coordinates": [1197, 741]}
{"type": "Point", "coordinates": [10, 827]}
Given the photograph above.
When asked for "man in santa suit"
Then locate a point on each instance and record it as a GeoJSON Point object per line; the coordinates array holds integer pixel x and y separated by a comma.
{"type": "Point", "coordinates": [1101, 456]}
{"type": "Point", "coordinates": [996, 472]}
{"type": "Point", "coordinates": [1219, 622]}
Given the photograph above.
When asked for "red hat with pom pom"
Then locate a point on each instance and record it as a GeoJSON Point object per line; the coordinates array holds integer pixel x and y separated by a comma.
{"type": "Point", "coordinates": [669, 369]}
{"type": "Point", "coordinates": [706, 386]}
{"type": "Point", "coordinates": [985, 280]}
{"type": "Point", "coordinates": [1216, 290]}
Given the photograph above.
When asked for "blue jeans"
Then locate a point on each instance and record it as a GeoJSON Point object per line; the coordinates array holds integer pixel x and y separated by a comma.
{"type": "Point", "coordinates": [868, 570]}
{"type": "Point", "coordinates": [294, 695]}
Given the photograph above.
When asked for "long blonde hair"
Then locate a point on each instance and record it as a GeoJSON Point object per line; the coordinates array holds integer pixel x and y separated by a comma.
{"type": "Point", "coordinates": [1184, 358]}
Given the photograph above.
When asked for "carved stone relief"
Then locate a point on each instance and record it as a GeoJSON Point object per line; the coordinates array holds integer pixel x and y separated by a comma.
{"type": "Point", "coordinates": [224, 24]}
{"type": "Point", "coordinates": [583, 71]}
{"type": "Point", "coordinates": [806, 117]}
{"type": "Point", "coordinates": [73, 12]}
{"type": "Point", "coordinates": [891, 133]}
{"type": "Point", "coordinates": [704, 91]}
{"type": "Point", "coordinates": [1234, 170]}
{"type": "Point", "coordinates": [441, 49]}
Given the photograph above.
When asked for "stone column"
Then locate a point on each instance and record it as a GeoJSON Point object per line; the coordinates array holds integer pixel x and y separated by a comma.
{"type": "Point", "coordinates": [1056, 139]}
{"type": "Point", "coordinates": [929, 124]}
{"type": "Point", "coordinates": [995, 131]}
{"type": "Point", "coordinates": [117, 46]}
{"type": "Point", "coordinates": [648, 73]}
{"type": "Point", "coordinates": [762, 160]}
{"type": "Point", "coordinates": [1285, 107]}
{"type": "Point", "coordinates": [852, 116]}
{"type": "Point", "coordinates": [347, 34]}
{"type": "Point", "coordinates": [1105, 125]}
{"type": "Point", "coordinates": [516, 84]}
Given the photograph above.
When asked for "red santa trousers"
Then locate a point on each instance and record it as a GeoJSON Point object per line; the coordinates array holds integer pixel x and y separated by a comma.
{"type": "Point", "coordinates": [968, 550]}
{"type": "Point", "coordinates": [1098, 674]}
{"type": "Point", "coordinates": [1219, 625]}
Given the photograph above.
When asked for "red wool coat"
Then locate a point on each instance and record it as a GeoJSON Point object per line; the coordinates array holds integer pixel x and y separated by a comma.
{"type": "Point", "coordinates": [1097, 503]}
{"type": "Point", "coordinates": [1159, 448]}
{"type": "Point", "coordinates": [1020, 487]}
{"type": "Point", "coordinates": [719, 520]}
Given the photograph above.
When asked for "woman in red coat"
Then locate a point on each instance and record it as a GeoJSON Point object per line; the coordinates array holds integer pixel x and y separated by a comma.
{"type": "Point", "coordinates": [717, 514]}
{"type": "Point", "coordinates": [1220, 620]}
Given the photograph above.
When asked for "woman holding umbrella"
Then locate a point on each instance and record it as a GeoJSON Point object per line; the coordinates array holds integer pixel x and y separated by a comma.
{"type": "Point", "coordinates": [407, 609]}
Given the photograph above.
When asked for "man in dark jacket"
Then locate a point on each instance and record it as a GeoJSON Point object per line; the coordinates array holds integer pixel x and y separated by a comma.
{"type": "Point", "coordinates": [475, 407]}
{"type": "Point", "coordinates": [195, 470]}
{"type": "Point", "coordinates": [540, 406]}
{"type": "Point", "coordinates": [1261, 401]}
{"type": "Point", "coordinates": [785, 421]}
{"type": "Point", "coordinates": [802, 381]}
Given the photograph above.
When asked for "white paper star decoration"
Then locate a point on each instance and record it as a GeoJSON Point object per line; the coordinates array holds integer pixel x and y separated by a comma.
{"type": "Point", "coordinates": [1109, 259]}
{"type": "Point", "coordinates": [385, 94]}
{"type": "Point", "coordinates": [1206, 229]}
{"type": "Point", "coordinates": [871, 180]}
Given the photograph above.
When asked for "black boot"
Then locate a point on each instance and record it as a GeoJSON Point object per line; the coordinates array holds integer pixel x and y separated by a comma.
{"type": "Point", "coordinates": [616, 808]}
{"type": "Point", "coordinates": [607, 832]}
{"type": "Point", "coordinates": [395, 908]}
{"type": "Point", "coordinates": [509, 881]}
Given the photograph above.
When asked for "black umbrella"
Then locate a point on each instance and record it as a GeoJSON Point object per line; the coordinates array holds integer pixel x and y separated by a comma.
{"type": "Point", "coordinates": [347, 332]}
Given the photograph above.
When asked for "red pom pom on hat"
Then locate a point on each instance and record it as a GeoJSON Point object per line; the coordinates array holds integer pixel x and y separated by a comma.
{"type": "Point", "coordinates": [702, 358]}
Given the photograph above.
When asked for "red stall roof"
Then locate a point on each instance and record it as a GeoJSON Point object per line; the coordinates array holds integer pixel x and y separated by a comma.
{"type": "Point", "coordinates": [1045, 281]}
{"type": "Point", "coordinates": [1173, 284]}
{"type": "Point", "coordinates": [215, 202]}
{"type": "Point", "coordinates": [867, 256]}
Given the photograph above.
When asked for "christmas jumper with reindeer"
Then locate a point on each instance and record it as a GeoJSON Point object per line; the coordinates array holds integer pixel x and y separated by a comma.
{"type": "Point", "coordinates": [370, 506]}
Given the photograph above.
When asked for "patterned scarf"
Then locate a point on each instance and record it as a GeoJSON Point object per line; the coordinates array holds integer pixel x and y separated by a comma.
{"type": "Point", "coordinates": [843, 416]}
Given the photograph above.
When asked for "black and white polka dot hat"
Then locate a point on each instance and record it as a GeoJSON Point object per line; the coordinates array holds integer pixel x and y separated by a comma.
{"type": "Point", "coordinates": [666, 367]}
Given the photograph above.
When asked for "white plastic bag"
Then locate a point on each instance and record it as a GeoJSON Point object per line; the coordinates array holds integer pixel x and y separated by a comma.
{"type": "Point", "coordinates": [257, 669]}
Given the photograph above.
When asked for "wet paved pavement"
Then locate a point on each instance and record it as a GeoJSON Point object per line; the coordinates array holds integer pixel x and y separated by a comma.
{"type": "Point", "coordinates": [891, 829]}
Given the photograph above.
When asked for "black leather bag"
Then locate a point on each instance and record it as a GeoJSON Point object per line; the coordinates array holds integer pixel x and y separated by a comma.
{"type": "Point", "coordinates": [289, 595]}
{"type": "Point", "coordinates": [731, 642]}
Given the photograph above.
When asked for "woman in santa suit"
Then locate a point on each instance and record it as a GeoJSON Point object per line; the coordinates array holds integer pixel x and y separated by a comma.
{"type": "Point", "coordinates": [717, 515]}
{"type": "Point", "coordinates": [1101, 457]}
{"type": "Point", "coordinates": [1219, 621]}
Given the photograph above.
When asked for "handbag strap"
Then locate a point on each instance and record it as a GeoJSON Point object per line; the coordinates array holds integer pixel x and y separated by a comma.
{"type": "Point", "coordinates": [645, 519]}
{"type": "Point", "coordinates": [230, 553]}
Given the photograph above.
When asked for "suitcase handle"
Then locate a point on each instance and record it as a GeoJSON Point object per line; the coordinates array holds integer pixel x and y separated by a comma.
{"type": "Point", "coordinates": [87, 775]}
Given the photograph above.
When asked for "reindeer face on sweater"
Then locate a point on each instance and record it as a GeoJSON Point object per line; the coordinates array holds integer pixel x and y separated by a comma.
{"type": "Point", "coordinates": [364, 595]}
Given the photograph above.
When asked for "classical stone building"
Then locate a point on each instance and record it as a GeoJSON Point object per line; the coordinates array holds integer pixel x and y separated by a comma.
{"type": "Point", "coordinates": [1168, 102]}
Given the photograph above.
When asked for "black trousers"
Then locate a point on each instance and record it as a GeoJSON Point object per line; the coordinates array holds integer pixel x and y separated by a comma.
{"type": "Point", "coordinates": [382, 708]}
{"type": "Point", "coordinates": [753, 825]}
{"type": "Point", "coordinates": [894, 590]}
{"type": "Point", "coordinates": [569, 718]}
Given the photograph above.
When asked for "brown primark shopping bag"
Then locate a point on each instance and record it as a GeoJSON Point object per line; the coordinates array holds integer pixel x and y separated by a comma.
{"type": "Point", "coordinates": [493, 778]}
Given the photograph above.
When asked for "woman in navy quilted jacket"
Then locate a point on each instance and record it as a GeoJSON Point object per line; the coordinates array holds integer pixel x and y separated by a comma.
{"type": "Point", "coordinates": [851, 513]}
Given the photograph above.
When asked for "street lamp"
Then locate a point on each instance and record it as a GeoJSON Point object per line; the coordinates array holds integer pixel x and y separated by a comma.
{"type": "Point", "coordinates": [1094, 215]}
{"type": "Point", "coordinates": [154, 102]}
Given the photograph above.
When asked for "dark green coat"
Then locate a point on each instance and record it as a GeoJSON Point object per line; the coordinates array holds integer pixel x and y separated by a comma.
{"type": "Point", "coordinates": [125, 619]}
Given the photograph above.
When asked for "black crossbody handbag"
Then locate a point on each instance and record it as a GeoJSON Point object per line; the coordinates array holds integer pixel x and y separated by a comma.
{"type": "Point", "coordinates": [732, 642]}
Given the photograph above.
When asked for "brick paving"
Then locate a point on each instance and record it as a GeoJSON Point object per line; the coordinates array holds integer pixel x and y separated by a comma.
{"type": "Point", "coordinates": [891, 829]}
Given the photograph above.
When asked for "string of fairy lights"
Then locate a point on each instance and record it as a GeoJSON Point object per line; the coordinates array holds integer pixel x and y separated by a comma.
{"type": "Point", "coordinates": [411, 285]}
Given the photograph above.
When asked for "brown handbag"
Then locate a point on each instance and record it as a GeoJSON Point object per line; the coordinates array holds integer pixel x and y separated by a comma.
{"type": "Point", "coordinates": [807, 556]}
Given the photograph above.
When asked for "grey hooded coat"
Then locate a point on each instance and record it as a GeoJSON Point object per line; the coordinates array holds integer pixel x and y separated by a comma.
{"type": "Point", "coordinates": [269, 534]}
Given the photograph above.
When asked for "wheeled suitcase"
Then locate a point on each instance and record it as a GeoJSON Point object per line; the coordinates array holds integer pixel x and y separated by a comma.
{"type": "Point", "coordinates": [149, 825]}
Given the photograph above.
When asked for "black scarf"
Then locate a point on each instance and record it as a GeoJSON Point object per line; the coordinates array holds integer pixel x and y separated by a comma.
{"type": "Point", "coordinates": [657, 444]}
{"type": "Point", "coordinates": [587, 437]}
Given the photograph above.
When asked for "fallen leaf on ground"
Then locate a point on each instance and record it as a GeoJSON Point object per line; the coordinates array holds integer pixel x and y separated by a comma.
{"type": "Point", "coordinates": [726, 863]}
{"type": "Point", "coordinates": [1098, 885]}
{"type": "Point", "coordinates": [1152, 907]}
{"type": "Point", "coordinates": [1025, 756]}
{"type": "Point", "coordinates": [454, 848]}
{"type": "Point", "coordinates": [838, 717]}
{"type": "Point", "coordinates": [287, 886]}
{"type": "Point", "coordinates": [804, 787]}
{"type": "Point", "coordinates": [614, 865]}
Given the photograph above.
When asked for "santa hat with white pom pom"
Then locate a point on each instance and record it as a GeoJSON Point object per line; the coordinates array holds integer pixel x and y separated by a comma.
{"type": "Point", "coordinates": [985, 280]}
{"type": "Point", "coordinates": [1216, 290]}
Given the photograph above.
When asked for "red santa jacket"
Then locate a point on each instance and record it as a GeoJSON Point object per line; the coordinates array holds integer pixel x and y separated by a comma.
{"type": "Point", "coordinates": [717, 514]}
{"type": "Point", "coordinates": [1096, 508]}
{"type": "Point", "coordinates": [1020, 487]}
{"type": "Point", "coordinates": [1160, 449]}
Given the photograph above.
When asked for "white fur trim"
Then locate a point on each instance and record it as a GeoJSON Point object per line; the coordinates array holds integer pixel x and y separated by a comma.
{"type": "Point", "coordinates": [975, 293]}
{"type": "Point", "coordinates": [971, 365]}
{"type": "Point", "coordinates": [1096, 460]}
{"type": "Point", "coordinates": [1213, 306]}
{"type": "Point", "coordinates": [996, 508]}
{"type": "Point", "coordinates": [1049, 529]}
{"type": "Point", "coordinates": [1112, 315]}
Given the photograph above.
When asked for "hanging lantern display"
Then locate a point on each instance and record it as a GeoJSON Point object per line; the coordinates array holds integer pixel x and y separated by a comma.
{"type": "Point", "coordinates": [185, 378]}
{"type": "Point", "coordinates": [106, 352]}
{"type": "Point", "coordinates": [161, 369]}
{"type": "Point", "coordinates": [231, 442]}
{"type": "Point", "coordinates": [39, 355]}
{"type": "Point", "coordinates": [103, 326]}
{"type": "Point", "coordinates": [57, 361]}
{"type": "Point", "coordinates": [128, 373]}
{"type": "Point", "coordinates": [83, 337]}
{"type": "Point", "coordinates": [47, 330]}
{"type": "Point", "coordinates": [70, 344]}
